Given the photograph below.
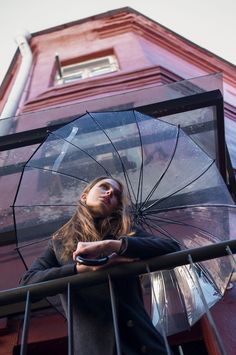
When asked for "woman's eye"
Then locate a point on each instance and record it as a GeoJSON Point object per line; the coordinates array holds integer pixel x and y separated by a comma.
{"type": "Point", "coordinates": [104, 186]}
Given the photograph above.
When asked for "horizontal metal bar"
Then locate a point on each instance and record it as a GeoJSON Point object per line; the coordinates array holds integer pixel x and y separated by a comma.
{"type": "Point", "coordinates": [26, 138]}
{"type": "Point", "coordinates": [83, 280]}
{"type": "Point", "coordinates": [182, 104]}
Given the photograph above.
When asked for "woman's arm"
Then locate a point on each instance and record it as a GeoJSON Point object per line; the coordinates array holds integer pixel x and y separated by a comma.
{"type": "Point", "coordinates": [144, 245]}
{"type": "Point", "coordinates": [46, 268]}
{"type": "Point", "coordinates": [141, 246]}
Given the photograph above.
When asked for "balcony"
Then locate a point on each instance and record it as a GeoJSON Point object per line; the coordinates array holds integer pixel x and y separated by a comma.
{"type": "Point", "coordinates": [199, 109]}
{"type": "Point", "coordinates": [29, 295]}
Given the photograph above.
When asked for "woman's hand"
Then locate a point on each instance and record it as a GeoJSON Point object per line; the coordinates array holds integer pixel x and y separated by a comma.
{"type": "Point", "coordinates": [97, 249]}
{"type": "Point", "coordinates": [113, 260]}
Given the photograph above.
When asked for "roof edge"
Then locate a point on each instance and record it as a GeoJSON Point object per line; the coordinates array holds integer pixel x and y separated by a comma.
{"type": "Point", "coordinates": [128, 10]}
{"type": "Point", "coordinates": [100, 16]}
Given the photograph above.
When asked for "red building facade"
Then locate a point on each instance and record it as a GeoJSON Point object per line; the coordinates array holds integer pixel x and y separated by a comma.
{"type": "Point", "coordinates": [117, 59]}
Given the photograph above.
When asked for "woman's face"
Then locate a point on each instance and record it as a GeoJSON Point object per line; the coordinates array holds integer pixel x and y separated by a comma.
{"type": "Point", "coordinates": [103, 198]}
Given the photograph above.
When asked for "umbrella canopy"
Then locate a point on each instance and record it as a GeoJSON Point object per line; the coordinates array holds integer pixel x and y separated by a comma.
{"type": "Point", "coordinates": [174, 186]}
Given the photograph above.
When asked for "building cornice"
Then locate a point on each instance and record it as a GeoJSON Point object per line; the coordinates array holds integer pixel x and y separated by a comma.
{"type": "Point", "coordinates": [126, 19]}
{"type": "Point", "coordinates": [172, 42]}
{"type": "Point", "coordinates": [100, 86]}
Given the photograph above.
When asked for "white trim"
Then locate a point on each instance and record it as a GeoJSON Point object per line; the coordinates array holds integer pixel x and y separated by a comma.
{"type": "Point", "coordinates": [87, 69]}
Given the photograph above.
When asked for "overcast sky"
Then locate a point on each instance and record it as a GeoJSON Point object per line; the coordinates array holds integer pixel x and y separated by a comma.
{"type": "Point", "coordinates": [209, 23]}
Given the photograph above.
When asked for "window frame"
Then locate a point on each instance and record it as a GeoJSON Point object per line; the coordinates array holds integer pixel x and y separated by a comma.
{"type": "Point", "coordinates": [86, 69]}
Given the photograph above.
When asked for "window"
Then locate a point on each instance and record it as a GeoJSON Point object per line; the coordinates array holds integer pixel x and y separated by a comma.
{"type": "Point", "coordinates": [86, 69]}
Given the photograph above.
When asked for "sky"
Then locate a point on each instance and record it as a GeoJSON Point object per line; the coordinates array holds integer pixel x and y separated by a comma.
{"type": "Point", "coordinates": [208, 23]}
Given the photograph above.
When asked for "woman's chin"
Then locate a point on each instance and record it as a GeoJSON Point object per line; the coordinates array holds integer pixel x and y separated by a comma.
{"type": "Point", "coordinates": [100, 211]}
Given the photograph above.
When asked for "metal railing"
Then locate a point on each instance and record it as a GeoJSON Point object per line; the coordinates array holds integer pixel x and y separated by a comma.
{"type": "Point", "coordinates": [40, 290]}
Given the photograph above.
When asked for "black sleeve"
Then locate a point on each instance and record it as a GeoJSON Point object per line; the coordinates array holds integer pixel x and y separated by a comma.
{"type": "Point", "coordinates": [46, 268]}
{"type": "Point", "coordinates": [144, 245]}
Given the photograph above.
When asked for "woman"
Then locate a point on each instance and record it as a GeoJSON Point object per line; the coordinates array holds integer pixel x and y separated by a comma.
{"type": "Point", "coordinates": [102, 226]}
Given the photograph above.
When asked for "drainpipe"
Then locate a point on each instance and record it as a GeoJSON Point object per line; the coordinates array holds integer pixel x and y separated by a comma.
{"type": "Point", "coordinates": [11, 106]}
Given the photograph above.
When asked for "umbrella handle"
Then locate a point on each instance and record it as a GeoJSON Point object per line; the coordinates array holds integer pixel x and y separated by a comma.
{"type": "Point", "coordinates": [91, 262]}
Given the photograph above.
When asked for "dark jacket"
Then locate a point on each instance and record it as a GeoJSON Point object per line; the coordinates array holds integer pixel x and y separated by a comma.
{"type": "Point", "coordinates": [92, 316]}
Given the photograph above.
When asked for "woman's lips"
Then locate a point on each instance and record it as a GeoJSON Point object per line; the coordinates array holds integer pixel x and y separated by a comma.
{"type": "Point", "coordinates": [106, 200]}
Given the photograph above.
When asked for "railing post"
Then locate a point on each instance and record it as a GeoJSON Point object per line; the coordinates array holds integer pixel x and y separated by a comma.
{"type": "Point", "coordinates": [25, 330]}
{"type": "Point", "coordinates": [232, 258]}
{"type": "Point", "coordinates": [70, 321]}
{"type": "Point", "coordinates": [208, 313]}
{"type": "Point", "coordinates": [180, 350]}
{"type": "Point", "coordinates": [114, 315]}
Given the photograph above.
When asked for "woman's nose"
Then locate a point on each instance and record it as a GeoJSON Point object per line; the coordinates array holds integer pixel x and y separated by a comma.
{"type": "Point", "coordinates": [109, 192]}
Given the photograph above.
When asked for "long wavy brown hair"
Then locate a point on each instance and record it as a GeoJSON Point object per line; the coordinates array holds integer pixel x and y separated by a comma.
{"type": "Point", "coordinates": [83, 227]}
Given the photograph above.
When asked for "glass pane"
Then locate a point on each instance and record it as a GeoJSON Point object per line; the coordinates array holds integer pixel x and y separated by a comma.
{"type": "Point", "coordinates": [230, 134]}
{"type": "Point", "coordinates": [126, 100]}
{"type": "Point", "coordinates": [201, 126]}
{"type": "Point", "coordinates": [11, 163]}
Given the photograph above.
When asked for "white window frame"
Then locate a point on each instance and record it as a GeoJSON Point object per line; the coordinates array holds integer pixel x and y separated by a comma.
{"type": "Point", "coordinates": [87, 69]}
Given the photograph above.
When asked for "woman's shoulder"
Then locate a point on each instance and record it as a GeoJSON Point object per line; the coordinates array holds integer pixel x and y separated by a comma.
{"type": "Point", "coordinates": [59, 247]}
{"type": "Point", "coordinates": [55, 242]}
{"type": "Point", "coordinates": [56, 245]}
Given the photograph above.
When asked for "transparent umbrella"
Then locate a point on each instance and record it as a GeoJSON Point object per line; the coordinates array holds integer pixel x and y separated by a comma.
{"type": "Point", "coordinates": [175, 190]}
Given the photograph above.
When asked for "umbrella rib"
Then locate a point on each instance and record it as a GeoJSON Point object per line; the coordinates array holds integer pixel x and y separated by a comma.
{"type": "Point", "coordinates": [32, 243]}
{"type": "Point", "coordinates": [39, 205]}
{"type": "Point", "coordinates": [181, 297]}
{"type": "Point", "coordinates": [191, 206]}
{"type": "Point", "coordinates": [178, 223]}
{"type": "Point", "coordinates": [122, 164]}
{"type": "Point", "coordinates": [162, 231]}
{"type": "Point", "coordinates": [145, 225]}
{"type": "Point", "coordinates": [57, 172]}
{"type": "Point", "coordinates": [21, 257]}
{"type": "Point", "coordinates": [140, 179]}
{"type": "Point", "coordinates": [208, 276]}
{"type": "Point", "coordinates": [18, 186]}
{"type": "Point", "coordinates": [166, 169]}
{"type": "Point", "coordinates": [165, 298]}
{"type": "Point", "coordinates": [182, 188]}
{"type": "Point", "coordinates": [200, 266]}
{"type": "Point", "coordinates": [191, 277]}
{"type": "Point", "coordinates": [160, 220]}
{"type": "Point", "coordinates": [82, 150]}
{"type": "Point", "coordinates": [13, 209]}
{"type": "Point", "coordinates": [40, 145]}
{"type": "Point", "coordinates": [163, 219]}
{"type": "Point", "coordinates": [184, 224]}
